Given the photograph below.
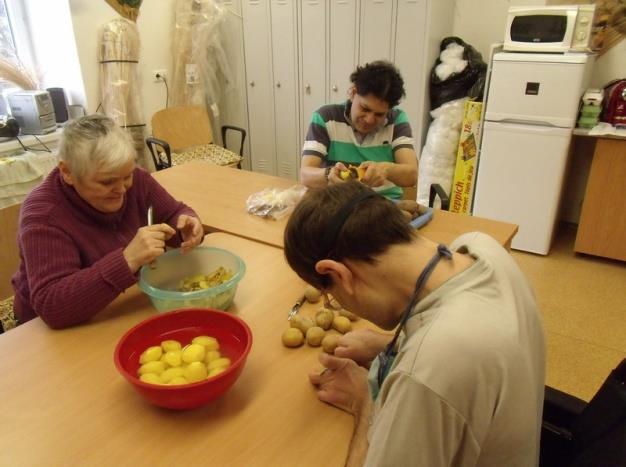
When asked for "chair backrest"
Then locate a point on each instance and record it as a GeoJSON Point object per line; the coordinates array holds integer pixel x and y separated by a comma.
{"type": "Point", "coordinates": [9, 256]}
{"type": "Point", "coordinates": [182, 127]}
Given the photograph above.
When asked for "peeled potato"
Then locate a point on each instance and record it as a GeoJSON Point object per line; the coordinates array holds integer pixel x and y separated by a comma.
{"type": "Point", "coordinates": [324, 318]}
{"type": "Point", "coordinates": [292, 337]}
{"type": "Point", "coordinates": [151, 354]}
{"type": "Point", "coordinates": [314, 336]}
{"type": "Point", "coordinates": [329, 343]}
{"type": "Point", "coordinates": [303, 323]}
{"type": "Point", "coordinates": [312, 295]}
{"type": "Point", "coordinates": [151, 378]}
{"type": "Point", "coordinates": [342, 324]}
{"type": "Point", "coordinates": [348, 314]}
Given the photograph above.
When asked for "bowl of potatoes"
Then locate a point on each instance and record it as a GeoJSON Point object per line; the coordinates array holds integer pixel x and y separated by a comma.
{"type": "Point", "coordinates": [205, 277]}
{"type": "Point", "coordinates": [186, 358]}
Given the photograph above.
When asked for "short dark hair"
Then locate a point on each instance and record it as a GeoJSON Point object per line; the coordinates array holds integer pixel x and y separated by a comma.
{"type": "Point", "coordinates": [380, 78]}
{"type": "Point", "coordinates": [374, 224]}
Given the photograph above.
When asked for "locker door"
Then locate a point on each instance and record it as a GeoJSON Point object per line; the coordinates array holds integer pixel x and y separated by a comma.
{"type": "Point", "coordinates": [343, 37]}
{"type": "Point", "coordinates": [410, 34]}
{"type": "Point", "coordinates": [313, 59]}
{"type": "Point", "coordinates": [234, 111]}
{"type": "Point", "coordinates": [376, 32]}
{"type": "Point", "coordinates": [258, 56]}
{"type": "Point", "coordinates": [285, 60]}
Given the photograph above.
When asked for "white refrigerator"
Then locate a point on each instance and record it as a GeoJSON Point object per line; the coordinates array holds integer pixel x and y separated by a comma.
{"type": "Point", "coordinates": [531, 109]}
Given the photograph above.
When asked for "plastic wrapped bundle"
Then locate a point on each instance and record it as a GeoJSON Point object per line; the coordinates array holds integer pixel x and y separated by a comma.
{"type": "Point", "coordinates": [439, 153]}
{"type": "Point", "coordinates": [119, 82]}
{"type": "Point", "coordinates": [201, 70]}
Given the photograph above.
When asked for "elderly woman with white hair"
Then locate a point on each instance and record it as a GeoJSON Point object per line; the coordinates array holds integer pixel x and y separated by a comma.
{"type": "Point", "coordinates": [83, 235]}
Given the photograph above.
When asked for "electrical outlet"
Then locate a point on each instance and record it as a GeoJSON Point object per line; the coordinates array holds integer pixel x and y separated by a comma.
{"type": "Point", "coordinates": [159, 75]}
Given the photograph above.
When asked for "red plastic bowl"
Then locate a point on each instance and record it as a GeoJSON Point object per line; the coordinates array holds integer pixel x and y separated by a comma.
{"type": "Point", "coordinates": [235, 340]}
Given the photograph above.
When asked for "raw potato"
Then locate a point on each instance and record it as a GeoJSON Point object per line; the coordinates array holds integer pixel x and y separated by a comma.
{"type": "Point", "coordinates": [342, 324]}
{"type": "Point", "coordinates": [329, 343]}
{"type": "Point", "coordinates": [324, 318]}
{"type": "Point", "coordinates": [312, 295]}
{"type": "Point", "coordinates": [348, 314]}
{"type": "Point", "coordinates": [293, 337]}
{"type": "Point", "coordinates": [303, 323]}
{"type": "Point", "coordinates": [314, 336]}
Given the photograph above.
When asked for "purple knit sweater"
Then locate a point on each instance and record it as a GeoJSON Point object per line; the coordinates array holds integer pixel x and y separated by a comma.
{"type": "Point", "coordinates": [72, 262]}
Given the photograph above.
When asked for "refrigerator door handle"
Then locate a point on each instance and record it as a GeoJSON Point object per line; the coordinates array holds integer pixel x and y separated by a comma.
{"type": "Point", "coordinates": [538, 123]}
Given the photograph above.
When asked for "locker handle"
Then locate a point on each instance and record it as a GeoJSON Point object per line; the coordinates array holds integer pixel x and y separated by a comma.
{"type": "Point", "coordinates": [308, 88]}
{"type": "Point", "coordinates": [278, 84]}
{"type": "Point", "coordinates": [335, 88]}
{"type": "Point", "coordinates": [252, 83]}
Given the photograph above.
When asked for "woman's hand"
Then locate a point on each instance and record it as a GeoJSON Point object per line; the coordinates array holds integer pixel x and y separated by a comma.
{"type": "Point", "coordinates": [343, 384]}
{"type": "Point", "coordinates": [191, 230]}
{"type": "Point", "coordinates": [147, 245]}
{"type": "Point", "coordinates": [362, 346]}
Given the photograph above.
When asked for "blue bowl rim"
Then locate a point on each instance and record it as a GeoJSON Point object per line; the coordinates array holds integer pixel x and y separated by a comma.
{"type": "Point", "coordinates": [175, 295]}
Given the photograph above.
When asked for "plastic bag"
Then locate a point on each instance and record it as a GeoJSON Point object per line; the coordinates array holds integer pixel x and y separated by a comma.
{"type": "Point", "coordinates": [469, 82]}
{"type": "Point", "coordinates": [274, 203]}
{"type": "Point", "coordinates": [438, 157]}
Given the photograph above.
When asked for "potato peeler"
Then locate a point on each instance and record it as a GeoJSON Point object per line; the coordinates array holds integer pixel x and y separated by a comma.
{"type": "Point", "coordinates": [296, 307]}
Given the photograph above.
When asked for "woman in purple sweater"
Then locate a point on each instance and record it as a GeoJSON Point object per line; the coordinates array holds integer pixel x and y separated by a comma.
{"type": "Point", "coordinates": [83, 236]}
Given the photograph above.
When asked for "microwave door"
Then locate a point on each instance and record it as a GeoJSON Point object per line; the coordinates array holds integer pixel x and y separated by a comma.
{"type": "Point", "coordinates": [539, 28]}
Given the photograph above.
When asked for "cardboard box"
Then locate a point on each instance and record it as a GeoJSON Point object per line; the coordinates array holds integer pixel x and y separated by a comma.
{"type": "Point", "coordinates": [466, 159]}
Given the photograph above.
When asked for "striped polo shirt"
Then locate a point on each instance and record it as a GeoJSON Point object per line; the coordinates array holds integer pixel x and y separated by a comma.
{"type": "Point", "coordinates": [332, 138]}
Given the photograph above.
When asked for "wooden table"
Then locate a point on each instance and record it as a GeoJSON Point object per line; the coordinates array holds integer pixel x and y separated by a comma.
{"type": "Point", "coordinates": [219, 194]}
{"type": "Point", "coordinates": [64, 403]}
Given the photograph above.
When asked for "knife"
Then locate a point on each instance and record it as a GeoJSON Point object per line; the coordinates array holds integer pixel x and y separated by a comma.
{"type": "Point", "coordinates": [150, 220]}
{"type": "Point", "coordinates": [296, 307]}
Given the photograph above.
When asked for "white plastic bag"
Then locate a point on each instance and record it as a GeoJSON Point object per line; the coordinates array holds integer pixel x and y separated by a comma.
{"type": "Point", "coordinates": [274, 203]}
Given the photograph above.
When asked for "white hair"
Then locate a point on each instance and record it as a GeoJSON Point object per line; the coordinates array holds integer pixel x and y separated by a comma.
{"type": "Point", "coordinates": [94, 143]}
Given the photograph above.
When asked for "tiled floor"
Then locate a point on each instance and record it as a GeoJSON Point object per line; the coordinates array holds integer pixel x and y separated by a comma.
{"type": "Point", "coordinates": [583, 302]}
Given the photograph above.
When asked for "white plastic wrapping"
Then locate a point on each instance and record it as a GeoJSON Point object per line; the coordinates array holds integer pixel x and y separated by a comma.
{"type": "Point", "coordinates": [120, 90]}
{"type": "Point", "coordinates": [439, 153]}
{"type": "Point", "coordinates": [201, 71]}
{"type": "Point", "coordinates": [274, 203]}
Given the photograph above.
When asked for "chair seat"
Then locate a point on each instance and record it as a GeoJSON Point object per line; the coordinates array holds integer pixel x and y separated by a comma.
{"type": "Point", "coordinates": [7, 318]}
{"type": "Point", "coordinates": [211, 153]}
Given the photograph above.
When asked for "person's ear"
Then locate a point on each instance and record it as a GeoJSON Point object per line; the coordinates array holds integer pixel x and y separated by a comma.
{"type": "Point", "coordinates": [66, 173]}
{"type": "Point", "coordinates": [351, 92]}
{"type": "Point", "coordinates": [340, 274]}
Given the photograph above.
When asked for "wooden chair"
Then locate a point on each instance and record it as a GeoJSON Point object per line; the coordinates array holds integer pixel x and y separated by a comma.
{"type": "Point", "coordinates": [9, 262]}
{"type": "Point", "coordinates": [183, 134]}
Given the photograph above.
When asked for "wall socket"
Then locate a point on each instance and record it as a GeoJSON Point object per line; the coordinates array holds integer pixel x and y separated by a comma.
{"type": "Point", "coordinates": [158, 75]}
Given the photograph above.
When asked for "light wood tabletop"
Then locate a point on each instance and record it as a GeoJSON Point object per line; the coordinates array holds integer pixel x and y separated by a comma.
{"type": "Point", "coordinates": [219, 194]}
{"type": "Point", "coordinates": [64, 403]}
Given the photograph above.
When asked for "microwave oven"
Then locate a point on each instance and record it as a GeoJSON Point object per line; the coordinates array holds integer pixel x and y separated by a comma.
{"type": "Point", "coordinates": [557, 29]}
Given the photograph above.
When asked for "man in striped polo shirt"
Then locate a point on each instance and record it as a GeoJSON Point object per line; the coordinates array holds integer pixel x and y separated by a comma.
{"type": "Point", "coordinates": [367, 130]}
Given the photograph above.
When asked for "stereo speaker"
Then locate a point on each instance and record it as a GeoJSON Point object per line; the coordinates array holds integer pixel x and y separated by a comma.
{"type": "Point", "coordinates": [59, 102]}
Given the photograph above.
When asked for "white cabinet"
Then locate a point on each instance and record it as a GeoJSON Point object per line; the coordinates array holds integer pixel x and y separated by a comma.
{"type": "Point", "coordinates": [299, 54]}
